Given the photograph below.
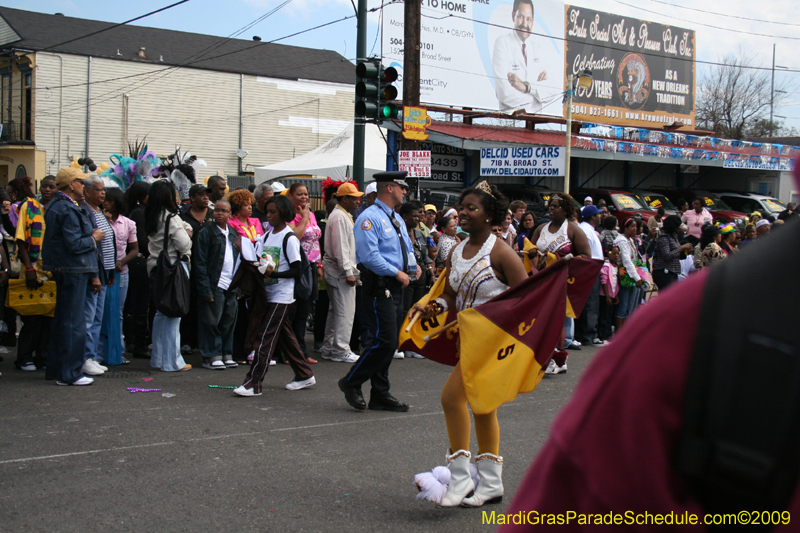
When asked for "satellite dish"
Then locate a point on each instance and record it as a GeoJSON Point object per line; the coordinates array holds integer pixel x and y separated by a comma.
{"type": "Point", "coordinates": [241, 153]}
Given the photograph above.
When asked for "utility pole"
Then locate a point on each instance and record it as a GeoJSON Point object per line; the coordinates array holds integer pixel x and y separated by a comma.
{"type": "Point", "coordinates": [359, 131]}
{"type": "Point", "coordinates": [412, 20]}
{"type": "Point", "coordinates": [411, 51]}
{"type": "Point", "coordinates": [772, 87]}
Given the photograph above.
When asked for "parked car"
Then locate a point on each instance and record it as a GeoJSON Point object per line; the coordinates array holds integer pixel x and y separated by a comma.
{"type": "Point", "coordinates": [655, 200]}
{"type": "Point", "coordinates": [441, 198]}
{"type": "Point", "coordinates": [621, 203]}
{"type": "Point", "coordinates": [721, 211]}
{"type": "Point", "coordinates": [747, 202]}
{"type": "Point", "coordinates": [537, 198]}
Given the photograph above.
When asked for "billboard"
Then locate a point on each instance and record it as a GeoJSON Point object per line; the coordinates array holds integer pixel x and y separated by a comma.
{"type": "Point", "coordinates": [485, 54]}
{"type": "Point", "coordinates": [644, 72]}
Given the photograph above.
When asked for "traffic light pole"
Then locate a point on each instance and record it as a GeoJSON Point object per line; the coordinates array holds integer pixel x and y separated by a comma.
{"type": "Point", "coordinates": [359, 127]}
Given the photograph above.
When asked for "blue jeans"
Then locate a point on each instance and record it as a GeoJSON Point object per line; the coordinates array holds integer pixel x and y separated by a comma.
{"type": "Point", "coordinates": [627, 301]}
{"type": "Point", "coordinates": [569, 331]}
{"type": "Point", "coordinates": [166, 353]}
{"type": "Point", "coordinates": [68, 328]}
{"type": "Point", "coordinates": [215, 325]}
{"type": "Point", "coordinates": [93, 313]}
{"type": "Point", "coordinates": [109, 346]}
{"type": "Point", "coordinates": [123, 294]}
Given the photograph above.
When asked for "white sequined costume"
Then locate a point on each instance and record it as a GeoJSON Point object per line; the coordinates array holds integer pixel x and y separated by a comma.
{"type": "Point", "coordinates": [474, 280]}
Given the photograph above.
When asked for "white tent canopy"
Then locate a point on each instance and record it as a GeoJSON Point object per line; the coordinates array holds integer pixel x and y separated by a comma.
{"type": "Point", "coordinates": [333, 159]}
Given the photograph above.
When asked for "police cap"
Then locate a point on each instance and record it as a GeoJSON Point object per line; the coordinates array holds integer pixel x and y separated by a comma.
{"type": "Point", "coordinates": [395, 176]}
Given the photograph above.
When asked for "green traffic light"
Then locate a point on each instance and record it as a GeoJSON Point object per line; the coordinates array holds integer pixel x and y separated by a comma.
{"type": "Point", "coordinates": [389, 111]}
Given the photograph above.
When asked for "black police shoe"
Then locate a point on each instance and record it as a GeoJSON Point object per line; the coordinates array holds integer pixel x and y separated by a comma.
{"type": "Point", "coordinates": [387, 403]}
{"type": "Point", "coordinates": [353, 395]}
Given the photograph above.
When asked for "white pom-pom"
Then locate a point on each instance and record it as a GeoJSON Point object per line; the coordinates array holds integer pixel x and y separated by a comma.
{"type": "Point", "coordinates": [432, 486]}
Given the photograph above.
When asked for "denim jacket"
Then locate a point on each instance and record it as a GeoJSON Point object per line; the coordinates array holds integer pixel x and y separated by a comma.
{"type": "Point", "coordinates": [68, 243]}
{"type": "Point", "coordinates": [209, 256]}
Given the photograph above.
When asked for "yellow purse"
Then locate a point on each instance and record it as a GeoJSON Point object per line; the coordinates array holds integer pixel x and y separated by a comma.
{"type": "Point", "coordinates": [24, 301]}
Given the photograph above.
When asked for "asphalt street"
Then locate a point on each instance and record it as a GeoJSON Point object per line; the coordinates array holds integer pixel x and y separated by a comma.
{"type": "Point", "coordinates": [100, 458]}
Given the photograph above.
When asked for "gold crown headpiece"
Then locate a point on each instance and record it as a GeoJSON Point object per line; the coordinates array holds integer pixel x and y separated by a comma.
{"type": "Point", "coordinates": [485, 187]}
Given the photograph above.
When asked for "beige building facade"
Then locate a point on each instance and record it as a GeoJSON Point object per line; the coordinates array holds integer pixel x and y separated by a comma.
{"type": "Point", "coordinates": [84, 104]}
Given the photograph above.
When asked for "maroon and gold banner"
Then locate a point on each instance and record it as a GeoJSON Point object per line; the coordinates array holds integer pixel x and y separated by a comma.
{"type": "Point", "coordinates": [507, 342]}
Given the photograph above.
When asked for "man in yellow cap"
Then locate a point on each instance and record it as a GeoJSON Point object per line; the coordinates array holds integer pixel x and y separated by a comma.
{"type": "Point", "coordinates": [341, 275]}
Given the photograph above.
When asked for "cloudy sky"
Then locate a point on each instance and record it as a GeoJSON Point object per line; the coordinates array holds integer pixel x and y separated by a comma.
{"type": "Point", "coordinates": [721, 28]}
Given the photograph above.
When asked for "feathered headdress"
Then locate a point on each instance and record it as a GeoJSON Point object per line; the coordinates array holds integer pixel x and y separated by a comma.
{"type": "Point", "coordinates": [138, 167]}
{"type": "Point", "coordinates": [181, 170]}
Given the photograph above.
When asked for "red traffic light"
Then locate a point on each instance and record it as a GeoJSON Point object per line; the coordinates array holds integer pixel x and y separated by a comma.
{"type": "Point", "coordinates": [389, 75]}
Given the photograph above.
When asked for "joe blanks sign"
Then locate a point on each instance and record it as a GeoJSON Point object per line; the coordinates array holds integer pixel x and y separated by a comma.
{"type": "Point", "coordinates": [643, 72]}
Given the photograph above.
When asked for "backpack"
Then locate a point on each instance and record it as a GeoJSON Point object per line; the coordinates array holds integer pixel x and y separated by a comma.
{"type": "Point", "coordinates": [304, 282]}
{"type": "Point", "coordinates": [739, 446]}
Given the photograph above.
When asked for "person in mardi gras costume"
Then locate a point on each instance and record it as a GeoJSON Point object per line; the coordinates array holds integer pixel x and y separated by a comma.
{"type": "Point", "coordinates": [181, 169]}
{"type": "Point", "coordinates": [478, 269]}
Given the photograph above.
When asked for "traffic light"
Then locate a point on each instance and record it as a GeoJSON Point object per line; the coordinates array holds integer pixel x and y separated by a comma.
{"type": "Point", "coordinates": [375, 92]}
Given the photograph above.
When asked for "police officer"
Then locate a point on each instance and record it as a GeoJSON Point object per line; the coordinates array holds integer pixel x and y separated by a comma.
{"type": "Point", "coordinates": [385, 259]}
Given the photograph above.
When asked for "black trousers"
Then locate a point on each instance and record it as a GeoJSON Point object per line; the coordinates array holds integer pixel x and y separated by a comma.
{"type": "Point", "coordinates": [136, 324]}
{"type": "Point", "coordinates": [358, 323]}
{"type": "Point", "coordinates": [240, 352]}
{"type": "Point", "coordinates": [663, 280]}
{"type": "Point", "coordinates": [301, 309]}
{"type": "Point", "coordinates": [34, 336]}
{"type": "Point", "coordinates": [320, 316]}
{"type": "Point", "coordinates": [605, 319]}
{"type": "Point", "coordinates": [190, 321]}
{"type": "Point", "coordinates": [382, 318]}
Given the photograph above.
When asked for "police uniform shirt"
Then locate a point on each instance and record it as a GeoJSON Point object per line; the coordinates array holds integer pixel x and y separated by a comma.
{"type": "Point", "coordinates": [377, 244]}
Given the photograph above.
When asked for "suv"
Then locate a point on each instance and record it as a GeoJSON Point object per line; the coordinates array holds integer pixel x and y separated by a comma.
{"type": "Point", "coordinates": [711, 201]}
{"type": "Point", "coordinates": [621, 203]}
{"type": "Point", "coordinates": [747, 202]}
{"type": "Point", "coordinates": [537, 198]}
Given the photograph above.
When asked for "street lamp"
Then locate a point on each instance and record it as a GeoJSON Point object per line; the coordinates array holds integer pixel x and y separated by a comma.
{"type": "Point", "coordinates": [584, 81]}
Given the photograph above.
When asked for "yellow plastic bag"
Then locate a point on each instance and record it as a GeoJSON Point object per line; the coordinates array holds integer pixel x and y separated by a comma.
{"type": "Point", "coordinates": [24, 301]}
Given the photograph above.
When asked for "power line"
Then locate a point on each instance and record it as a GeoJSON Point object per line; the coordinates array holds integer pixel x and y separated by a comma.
{"type": "Point", "coordinates": [706, 25]}
{"type": "Point", "coordinates": [117, 25]}
{"type": "Point", "coordinates": [725, 14]}
{"type": "Point", "coordinates": [641, 52]}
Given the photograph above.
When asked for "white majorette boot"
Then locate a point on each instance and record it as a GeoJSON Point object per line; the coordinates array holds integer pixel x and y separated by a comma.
{"type": "Point", "coordinates": [490, 486]}
{"type": "Point", "coordinates": [461, 484]}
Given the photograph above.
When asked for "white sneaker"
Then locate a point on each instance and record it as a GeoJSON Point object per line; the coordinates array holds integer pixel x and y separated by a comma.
{"type": "Point", "coordinates": [297, 385]}
{"type": "Point", "coordinates": [241, 391]}
{"type": "Point", "coordinates": [272, 362]}
{"type": "Point", "coordinates": [28, 367]}
{"type": "Point", "coordinates": [598, 342]}
{"type": "Point", "coordinates": [81, 381]}
{"type": "Point", "coordinates": [348, 358]}
{"type": "Point", "coordinates": [3, 349]}
{"type": "Point", "coordinates": [214, 365]}
{"type": "Point", "coordinates": [90, 368]}
{"type": "Point", "coordinates": [398, 355]}
{"type": "Point", "coordinates": [100, 366]}
{"type": "Point", "coordinates": [414, 355]}
{"type": "Point", "coordinates": [230, 363]}
{"type": "Point", "coordinates": [553, 368]}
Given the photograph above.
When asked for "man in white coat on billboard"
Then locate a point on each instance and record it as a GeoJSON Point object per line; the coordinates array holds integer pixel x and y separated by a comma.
{"type": "Point", "coordinates": [515, 63]}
